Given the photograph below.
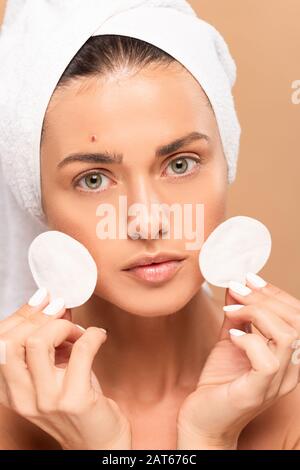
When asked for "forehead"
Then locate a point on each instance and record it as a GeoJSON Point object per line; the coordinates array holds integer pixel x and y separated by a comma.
{"type": "Point", "coordinates": [155, 96]}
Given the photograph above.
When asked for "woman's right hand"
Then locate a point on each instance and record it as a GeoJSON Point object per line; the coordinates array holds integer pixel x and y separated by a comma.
{"type": "Point", "coordinates": [65, 400]}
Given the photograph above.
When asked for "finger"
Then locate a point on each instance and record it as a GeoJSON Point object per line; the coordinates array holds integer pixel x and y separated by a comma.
{"type": "Point", "coordinates": [62, 354]}
{"type": "Point", "coordinates": [286, 312]}
{"type": "Point", "coordinates": [245, 296]}
{"type": "Point", "coordinates": [29, 316]}
{"type": "Point", "coordinates": [13, 333]}
{"type": "Point", "coordinates": [228, 322]}
{"type": "Point", "coordinates": [256, 282]}
{"type": "Point", "coordinates": [40, 352]}
{"type": "Point", "coordinates": [253, 385]}
{"type": "Point", "coordinates": [15, 380]}
{"type": "Point", "coordinates": [78, 373]}
{"type": "Point", "coordinates": [250, 294]}
{"type": "Point", "coordinates": [13, 336]}
{"type": "Point", "coordinates": [68, 314]}
{"type": "Point", "coordinates": [34, 321]}
{"type": "Point", "coordinates": [292, 375]}
{"type": "Point", "coordinates": [37, 301]}
{"type": "Point", "coordinates": [271, 326]}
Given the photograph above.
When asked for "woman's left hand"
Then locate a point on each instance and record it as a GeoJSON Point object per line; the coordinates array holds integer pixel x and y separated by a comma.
{"type": "Point", "coordinates": [244, 373]}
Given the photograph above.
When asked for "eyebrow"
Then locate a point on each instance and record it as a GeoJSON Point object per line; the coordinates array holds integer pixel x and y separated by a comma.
{"type": "Point", "coordinates": [107, 157]}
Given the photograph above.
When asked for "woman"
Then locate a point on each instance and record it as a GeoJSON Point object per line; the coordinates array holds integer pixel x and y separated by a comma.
{"type": "Point", "coordinates": [173, 370]}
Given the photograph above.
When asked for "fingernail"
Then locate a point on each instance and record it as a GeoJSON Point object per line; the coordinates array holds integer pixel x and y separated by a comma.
{"type": "Point", "coordinates": [38, 297]}
{"type": "Point", "coordinates": [235, 332]}
{"type": "Point", "coordinates": [81, 327]}
{"type": "Point", "coordinates": [232, 308]}
{"type": "Point", "coordinates": [256, 280]}
{"type": "Point", "coordinates": [103, 330]}
{"type": "Point", "coordinates": [239, 288]}
{"type": "Point", "coordinates": [55, 306]}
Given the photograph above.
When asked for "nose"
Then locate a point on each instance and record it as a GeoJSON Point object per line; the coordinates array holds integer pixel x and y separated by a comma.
{"type": "Point", "coordinates": [148, 223]}
{"type": "Point", "coordinates": [147, 214]}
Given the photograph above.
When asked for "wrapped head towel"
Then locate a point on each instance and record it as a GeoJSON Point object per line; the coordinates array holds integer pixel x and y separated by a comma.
{"type": "Point", "coordinates": [38, 39]}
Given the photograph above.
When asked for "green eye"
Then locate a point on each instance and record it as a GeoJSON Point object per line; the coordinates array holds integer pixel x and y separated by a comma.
{"type": "Point", "coordinates": [182, 165]}
{"type": "Point", "coordinates": [93, 181]}
{"type": "Point", "coordinates": [179, 166]}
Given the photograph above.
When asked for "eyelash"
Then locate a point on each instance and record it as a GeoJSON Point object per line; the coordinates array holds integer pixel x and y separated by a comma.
{"type": "Point", "coordinates": [197, 161]}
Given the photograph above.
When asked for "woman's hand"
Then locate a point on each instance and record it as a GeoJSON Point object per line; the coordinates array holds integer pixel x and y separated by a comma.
{"type": "Point", "coordinates": [245, 373]}
{"type": "Point", "coordinates": [46, 376]}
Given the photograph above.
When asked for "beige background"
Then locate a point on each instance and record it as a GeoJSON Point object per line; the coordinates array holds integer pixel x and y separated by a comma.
{"type": "Point", "coordinates": [264, 39]}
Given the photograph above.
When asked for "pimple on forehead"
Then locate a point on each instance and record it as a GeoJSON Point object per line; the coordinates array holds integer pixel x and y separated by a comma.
{"type": "Point", "coordinates": [93, 138]}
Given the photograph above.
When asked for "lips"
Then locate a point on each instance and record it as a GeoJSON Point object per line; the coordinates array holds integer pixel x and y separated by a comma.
{"type": "Point", "coordinates": [156, 272]}
{"type": "Point", "coordinates": [155, 269]}
{"type": "Point", "coordinates": [151, 260]}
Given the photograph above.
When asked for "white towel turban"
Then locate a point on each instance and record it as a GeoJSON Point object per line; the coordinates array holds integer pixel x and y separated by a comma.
{"type": "Point", "coordinates": [38, 39]}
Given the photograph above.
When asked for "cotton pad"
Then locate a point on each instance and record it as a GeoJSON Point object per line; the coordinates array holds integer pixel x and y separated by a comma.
{"type": "Point", "coordinates": [64, 266]}
{"type": "Point", "coordinates": [235, 247]}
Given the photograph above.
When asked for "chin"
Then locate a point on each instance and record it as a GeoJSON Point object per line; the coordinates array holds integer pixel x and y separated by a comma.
{"type": "Point", "coordinates": [151, 301]}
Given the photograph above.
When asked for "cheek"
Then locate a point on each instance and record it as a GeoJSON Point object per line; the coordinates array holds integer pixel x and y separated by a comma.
{"type": "Point", "coordinates": [67, 212]}
{"type": "Point", "coordinates": [208, 199]}
{"type": "Point", "coordinates": [81, 226]}
{"type": "Point", "coordinates": [215, 194]}
{"type": "Point", "coordinates": [214, 211]}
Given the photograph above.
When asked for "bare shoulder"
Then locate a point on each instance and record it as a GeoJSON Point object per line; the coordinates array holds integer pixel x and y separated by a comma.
{"type": "Point", "coordinates": [17, 433]}
{"type": "Point", "coordinates": [276, 428]}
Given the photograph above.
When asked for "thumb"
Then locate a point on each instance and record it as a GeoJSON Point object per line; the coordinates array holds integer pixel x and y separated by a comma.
{"type": "Point", "coordinates": [230, 322]}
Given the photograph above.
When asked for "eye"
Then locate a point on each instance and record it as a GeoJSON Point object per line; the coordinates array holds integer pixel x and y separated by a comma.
{"type": "Point", "coordinates": [92, 182]}
{"type": "Point", "coordinates": [183, 165]}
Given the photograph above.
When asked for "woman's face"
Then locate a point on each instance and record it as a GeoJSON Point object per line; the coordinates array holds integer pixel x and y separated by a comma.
{"type": "Point", "coordinates": [131, 116]}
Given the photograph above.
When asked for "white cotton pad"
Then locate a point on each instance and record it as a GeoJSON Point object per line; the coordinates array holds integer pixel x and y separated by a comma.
{"type": "Point", "coordinates": [236, 246]}
{"type": "Point", "coordinates": [64, 266]}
